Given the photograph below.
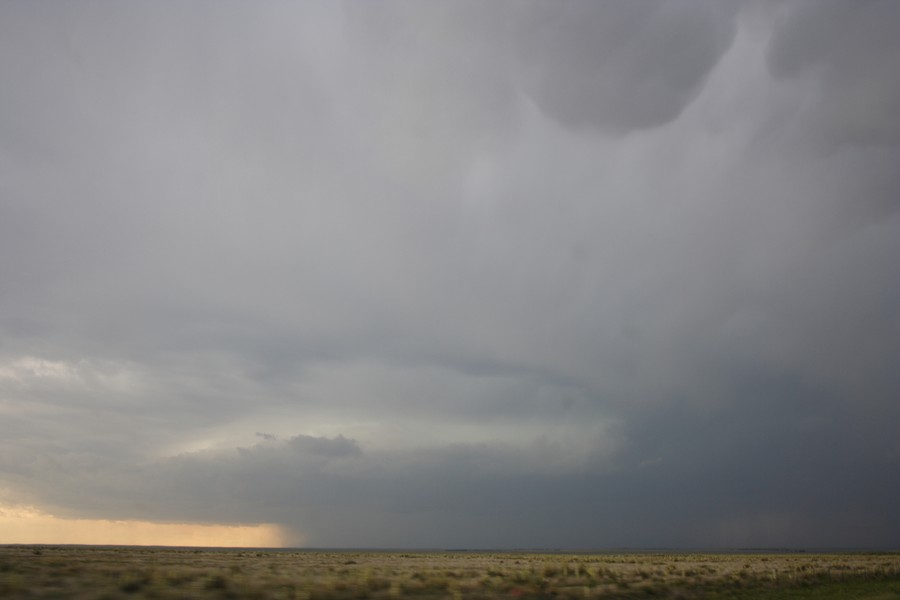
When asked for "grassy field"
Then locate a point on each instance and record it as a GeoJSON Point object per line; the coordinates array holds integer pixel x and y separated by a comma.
{"type": "Point", "coordinates": [111, 573]}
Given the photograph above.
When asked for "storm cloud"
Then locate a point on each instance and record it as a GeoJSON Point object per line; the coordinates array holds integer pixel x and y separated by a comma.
{"type": "Point", "coordinates": [459, 274]}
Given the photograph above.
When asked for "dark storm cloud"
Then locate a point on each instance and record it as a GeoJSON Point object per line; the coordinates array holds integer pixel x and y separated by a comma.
{"type": "Point", "coordinates": [772, 486]}
{"type": "Point", "coordinates": [850, 52]}
{"type": "Point", "coordinates": [613, 67]}
{"type": "Point", "coordinates": [620, 66]}
{"type": "Point", "coordinates": [454, 273]}
{"type": "Point", "coordinates": [848, 57]}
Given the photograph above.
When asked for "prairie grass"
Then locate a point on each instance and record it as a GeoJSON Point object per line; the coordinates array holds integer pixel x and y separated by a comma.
{"type": "Point", "coordinates": [113, 573]}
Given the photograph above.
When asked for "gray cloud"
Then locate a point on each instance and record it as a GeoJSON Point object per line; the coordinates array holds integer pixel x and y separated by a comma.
{"type": "Point", "coordinates": [849, 52]}
{"type": "Point", "coordinates": [847, 57]}
{"type": "Point", "coordinates": [613, 67]}
{"type": "Point", "coordinates": [493, 495]}
{"type": "Point", "coordinates": [449, 274]}
{"type": "Point", "coordinates": [620, 66]}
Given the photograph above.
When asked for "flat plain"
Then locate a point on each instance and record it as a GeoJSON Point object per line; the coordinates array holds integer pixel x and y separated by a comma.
{"type": "Point", "coordinates": [94, 572]}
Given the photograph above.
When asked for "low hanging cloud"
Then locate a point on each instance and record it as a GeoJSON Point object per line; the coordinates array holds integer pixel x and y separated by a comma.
{"type": "Point", "coordinates": [849, 55]}
{"type": "Point", "coordinates": [610, 67]}
{"type": "Point", "coordinates": [453, 274]}
{"type": "Point", "coordinates": [619, 67]}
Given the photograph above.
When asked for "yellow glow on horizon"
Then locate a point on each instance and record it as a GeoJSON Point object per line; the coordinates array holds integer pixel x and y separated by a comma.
{"type": "Point", "coordinates": [25, 525]}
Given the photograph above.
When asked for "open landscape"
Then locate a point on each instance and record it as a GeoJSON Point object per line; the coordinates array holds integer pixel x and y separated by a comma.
{"type": "Point", "coordinates": [82, 572]}
{"type": "Point", "coordinates": [449, 299]}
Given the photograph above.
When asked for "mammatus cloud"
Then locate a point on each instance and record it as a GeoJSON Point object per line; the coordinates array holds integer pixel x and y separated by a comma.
{"type": "Point", "coordinates": [452, 274]}
{"type": "Point", "coordinates": [609, 67]}
{"type": "Point", "coordinates": [849, 55]}
{"type": "Point", "coordinates": [620, 67]}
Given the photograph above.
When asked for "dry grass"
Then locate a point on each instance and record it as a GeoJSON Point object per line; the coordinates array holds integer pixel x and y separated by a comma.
{"type": "Point", "coordinates": [132, 573]}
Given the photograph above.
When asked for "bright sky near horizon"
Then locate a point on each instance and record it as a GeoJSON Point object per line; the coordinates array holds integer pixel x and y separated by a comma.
{"type": "Point", "coordinates": [30, 526]}
{"type": "Point", "coordinates": [450, 273]}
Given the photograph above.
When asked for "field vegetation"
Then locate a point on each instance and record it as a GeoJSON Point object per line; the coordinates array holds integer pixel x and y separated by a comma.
{"type": "Point", "coordinates": [130, 573]}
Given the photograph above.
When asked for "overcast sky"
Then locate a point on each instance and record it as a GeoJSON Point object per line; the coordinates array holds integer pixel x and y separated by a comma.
{"type": "Point", "coordinates": [455, 273]}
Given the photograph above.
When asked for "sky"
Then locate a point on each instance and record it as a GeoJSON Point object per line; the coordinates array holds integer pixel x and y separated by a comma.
{"type": "Point", "coordinates": [450, 274]}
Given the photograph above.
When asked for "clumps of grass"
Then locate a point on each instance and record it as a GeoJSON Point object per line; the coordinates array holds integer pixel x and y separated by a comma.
{"type": "Point", "coordinates": [123, 573]}
{"type": "Point", "coordinates": [131, 586]}
{"type": "Point", "coordinates": [11, 584]}
{"type": "Point", "coordinates": [377, 584]}
{"type": "Point", "coordinates": [550, 571]}
{"type": "Point", "coordinates": [216, 582]}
